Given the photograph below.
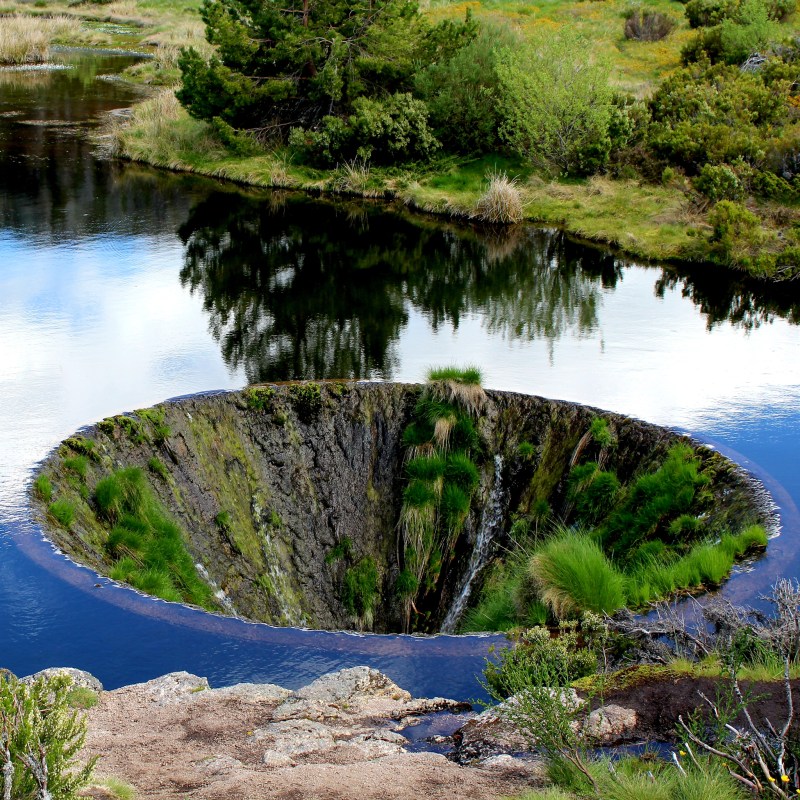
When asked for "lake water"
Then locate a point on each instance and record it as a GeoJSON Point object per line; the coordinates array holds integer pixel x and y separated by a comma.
{"type": "Point", "coordinates": [121, 286]}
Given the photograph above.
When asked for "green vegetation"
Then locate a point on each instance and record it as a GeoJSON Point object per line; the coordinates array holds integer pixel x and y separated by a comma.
{"type": "Point", "coordinates": [83, 446]}
{"type": "Point", "coordinates": [307, 400]}
{"type": "Point", "coordinates": [622, 545]}
{"type": "Point", "coordinates": [360, 589]}
{"type": "Point", "coordinates": [342, 549]}
{"type": "Point", "coordinates": [155, 465]}
{"type": "Point", "coordinates": [43, 488]}
{"type": "Point", "coordinates": [146, 547]}
{"type": "Point", "coordinates": [41, 739]}
{"type": "Point", "coordinates": [63, 512]}
{"type": "Point", "coordinates": [82, 697]}
{"type": "Point", "coordinates": [441, 443]}
{"type": "Point", "coordinates": [77, 465]}
{"type": "Point", "coordinates": [427, 105]}
{"type": "Point", "coordinates": [259, 398]}
{"type": "Point", "coordinates": [26, 40]}
{"type": "Point", "coordinates": [571, 574]}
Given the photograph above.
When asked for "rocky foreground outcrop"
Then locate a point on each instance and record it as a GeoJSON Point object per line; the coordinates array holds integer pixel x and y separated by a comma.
{"type": "Point", "coordinates": [339, 737]}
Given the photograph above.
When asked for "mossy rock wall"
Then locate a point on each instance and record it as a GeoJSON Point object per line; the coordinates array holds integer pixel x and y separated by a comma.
{"type": "Point", "coordinates": [267, 482]}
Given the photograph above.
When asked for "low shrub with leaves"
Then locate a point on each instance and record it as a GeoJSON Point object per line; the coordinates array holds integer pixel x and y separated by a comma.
{"type": "Point", "coordinates": [40, 738]}
{"type": "Point", "coordinates": [648, 26]}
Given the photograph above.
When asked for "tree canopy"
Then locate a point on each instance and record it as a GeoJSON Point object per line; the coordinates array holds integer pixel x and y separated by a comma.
{"type": "Point", "coordinates": [289, 63]}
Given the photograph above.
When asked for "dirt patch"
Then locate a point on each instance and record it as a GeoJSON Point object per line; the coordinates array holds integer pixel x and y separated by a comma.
{"type": "Point", "coordinates": [659, 702]}
{"type": "Point", "coordinates": [237, 745]}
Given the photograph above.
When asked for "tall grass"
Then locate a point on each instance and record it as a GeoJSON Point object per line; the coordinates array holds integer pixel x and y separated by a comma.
{"type": "Point", "coordinates": [160, 131]}
{"type": "Point", "coordinates": [27, 40]}
{"type": "Point", "coordinates": [636, 779]}
{"type": "Point", "coordinates": [501, 201]}
{"type": "Point", "coordinates": [572, 574]}
{"type": "Point", "coordinates": [147, 547]}
{"type": "Point", "coordinates": [706, 565]}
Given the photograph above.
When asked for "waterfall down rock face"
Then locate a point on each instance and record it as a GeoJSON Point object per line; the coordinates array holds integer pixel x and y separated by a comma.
{"type": "Point", "coordinates": [282, 491]}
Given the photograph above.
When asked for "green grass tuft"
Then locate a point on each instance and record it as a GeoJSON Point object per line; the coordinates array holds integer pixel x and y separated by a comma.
{"type": "Point", "coordinates": [43, 488]}
{"type": "Point", "coordinates": [157, 466]}
{"type": "Point", "coordinates": [78, 465]}
{"type": "Point", "coordinates": [63, 512]}
{"type": "Point", "coordinates": [82, 697]}
{"type": "Point", "coordinates": [572, 574]}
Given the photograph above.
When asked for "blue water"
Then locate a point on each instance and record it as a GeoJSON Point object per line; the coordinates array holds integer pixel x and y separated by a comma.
{"type": "Point", "coordinates": [121, 286]}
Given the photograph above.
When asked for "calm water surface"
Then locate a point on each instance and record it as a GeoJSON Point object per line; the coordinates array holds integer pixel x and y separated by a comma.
{"type": "Point", "coordinates": [121, 286]}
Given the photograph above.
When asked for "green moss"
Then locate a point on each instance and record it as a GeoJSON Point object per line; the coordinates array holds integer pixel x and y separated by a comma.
{"type": "Point", "coordinates": [83, 446]}
{"type": "Point", "coordinates": [132, 428]}
{"type": "Point", "coordinates": [224, 521]}
{"type": "Point", "coordinates": [107, 426]}
{"type": "Point", "coordinates": [259, 398]}
{"type": "Point", "coordinates": [307, 400]}
{"type": "Point", "coordinates": [342, 549]}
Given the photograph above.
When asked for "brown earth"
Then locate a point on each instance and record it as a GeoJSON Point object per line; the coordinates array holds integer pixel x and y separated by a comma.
{"type": "Point", "coordinates": [173, 738]}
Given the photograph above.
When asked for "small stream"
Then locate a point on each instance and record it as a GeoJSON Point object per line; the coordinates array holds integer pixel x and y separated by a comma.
{"type": "Point", "coordinates": [121, 286]}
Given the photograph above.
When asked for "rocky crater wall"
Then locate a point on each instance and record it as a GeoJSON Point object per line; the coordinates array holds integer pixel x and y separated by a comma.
{"type": "Point", "coordinates": [268, 483]}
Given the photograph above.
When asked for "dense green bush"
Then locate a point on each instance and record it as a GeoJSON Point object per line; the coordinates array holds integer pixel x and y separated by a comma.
{"type": "Point", "coordinates": [389, 130]}
{"type": "Point", "coordinates": [593, 491]}
{"type": "Point", "coordinates": [717, 115]}
{"type": "Point", "coordinates": [737, 232]}
{"type": "Point", "coordinates": [744, 27]}
{"type": "Point", "coordinates": [536, 652]}
{"type": "Point", "coordinates": [707, 13]}
{"type": "Point", "coordinates": [282, 62]}
{"type": "Point", "coordinates": [463, 93]}
{"type": "Point", "coordinates": [42, 736]}
{"type": "Point", "coordinates": [557, 103]}
{"type": "Point", "coordinates": [719, 182]}
{"type": "Point", "coordinates": [653, 502]}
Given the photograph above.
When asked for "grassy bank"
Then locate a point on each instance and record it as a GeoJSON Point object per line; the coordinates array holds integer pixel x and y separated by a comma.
{"type": "Point", "coordinates": [650, 222]}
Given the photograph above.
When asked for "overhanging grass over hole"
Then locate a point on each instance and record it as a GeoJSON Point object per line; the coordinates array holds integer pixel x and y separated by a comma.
{"type": "Point", "coordinates": [286, 494]}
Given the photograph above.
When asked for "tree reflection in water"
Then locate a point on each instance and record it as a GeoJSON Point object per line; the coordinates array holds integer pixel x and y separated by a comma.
{"type": "Point", "coordinates": [300, 289]}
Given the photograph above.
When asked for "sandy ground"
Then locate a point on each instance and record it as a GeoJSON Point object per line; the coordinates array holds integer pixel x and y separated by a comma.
{"type": "Point", "coordinates": [208, 744]}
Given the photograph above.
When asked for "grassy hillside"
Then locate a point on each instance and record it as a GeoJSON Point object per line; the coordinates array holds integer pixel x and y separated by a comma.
{"type": "Point", "coordinates": [653, 216]}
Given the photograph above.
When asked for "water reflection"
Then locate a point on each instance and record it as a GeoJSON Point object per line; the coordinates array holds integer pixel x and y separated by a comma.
{"type": "Point", "coordinates": [313, 290]}
{"type": "Point", "coordinates": [735, 300]}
